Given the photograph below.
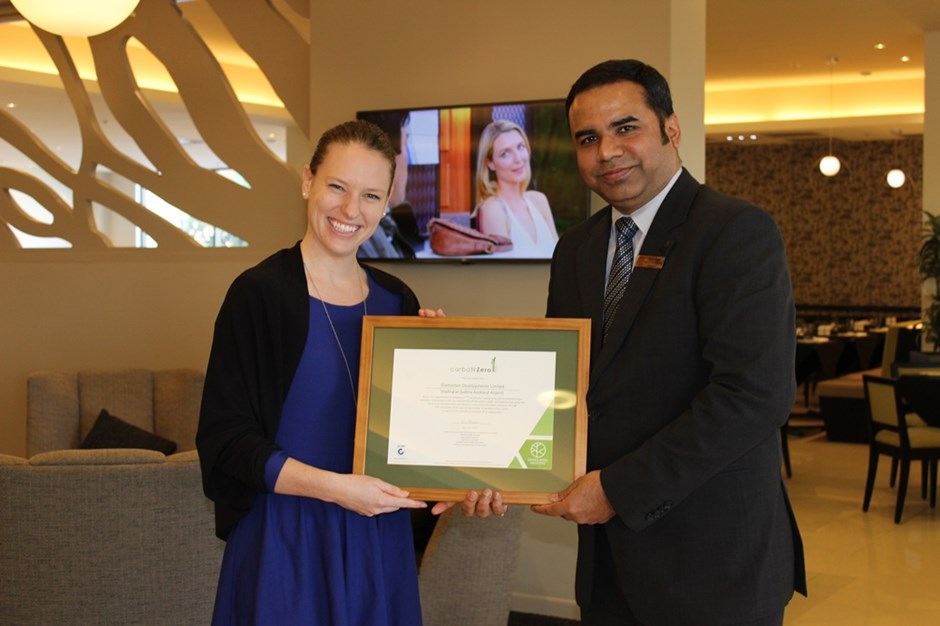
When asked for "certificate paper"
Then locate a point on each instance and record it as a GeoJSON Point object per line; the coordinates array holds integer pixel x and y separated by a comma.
{"type": "Point", "coordinates": [472, 408]}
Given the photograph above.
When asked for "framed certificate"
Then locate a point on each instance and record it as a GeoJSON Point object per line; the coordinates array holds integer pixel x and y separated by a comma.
{"type": "Point", "coordinates": [451, 404]}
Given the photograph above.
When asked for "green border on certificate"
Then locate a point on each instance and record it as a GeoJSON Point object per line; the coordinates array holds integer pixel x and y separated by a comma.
{"type": "Point", "coordinates": [543, 458]}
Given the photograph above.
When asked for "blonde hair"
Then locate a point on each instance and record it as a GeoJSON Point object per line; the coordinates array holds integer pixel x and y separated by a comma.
{"type": "Point", "coordinates": [487, 185]}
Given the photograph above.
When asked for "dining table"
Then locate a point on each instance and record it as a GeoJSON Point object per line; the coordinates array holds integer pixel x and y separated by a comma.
{"type": "Point", "coordinates": [921, 394]}
{"type": "Point", "coordinates": [822, 358]}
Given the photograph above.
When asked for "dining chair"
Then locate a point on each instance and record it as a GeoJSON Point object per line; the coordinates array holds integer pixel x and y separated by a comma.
{"type": "Point", "coordinates": [917, 384]}
{"type": "Point", "coordinates": [890, 435]}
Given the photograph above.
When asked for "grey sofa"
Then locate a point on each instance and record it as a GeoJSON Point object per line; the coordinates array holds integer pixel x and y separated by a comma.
{"type": "Point", "coordinates": [125, 536]}
{"type": "Point", "coordinates": [107, 536]}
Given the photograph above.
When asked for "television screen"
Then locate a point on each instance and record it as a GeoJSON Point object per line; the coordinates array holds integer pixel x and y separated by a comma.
{"type": "Point", "coordinates": [481, 182]}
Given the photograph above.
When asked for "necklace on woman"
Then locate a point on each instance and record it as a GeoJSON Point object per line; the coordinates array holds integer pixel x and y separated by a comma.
{"type": "Point", "coordinates": [365, 311]}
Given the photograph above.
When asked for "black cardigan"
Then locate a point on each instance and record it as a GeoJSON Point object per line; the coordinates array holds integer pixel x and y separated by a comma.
{"type": "Point", "coordinates": [259, 337]}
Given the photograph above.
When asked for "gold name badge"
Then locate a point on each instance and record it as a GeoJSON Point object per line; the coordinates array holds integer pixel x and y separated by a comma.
{"type": "Point", "coordinates": [652, 262]}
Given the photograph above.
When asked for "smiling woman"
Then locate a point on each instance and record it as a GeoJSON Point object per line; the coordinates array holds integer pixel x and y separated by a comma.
{"type": "Point", "coordinates": [276, 428]}
{"type": "Point", "coordinates": [505, 204]}
{"type": "Point", "coordinates": [346, 185]}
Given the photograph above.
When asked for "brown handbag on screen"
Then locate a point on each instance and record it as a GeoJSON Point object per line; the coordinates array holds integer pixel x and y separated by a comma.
{"type": "Point", "coordinates": [449, 238]}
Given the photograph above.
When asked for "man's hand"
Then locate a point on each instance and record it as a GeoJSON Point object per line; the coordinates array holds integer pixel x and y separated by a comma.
{"type": "Point", "coordinates": [478, 504]}
{"type": "Point", "coordinates": [584, 502]}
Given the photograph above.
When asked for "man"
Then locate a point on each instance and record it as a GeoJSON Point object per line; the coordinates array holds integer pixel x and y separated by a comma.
{"type": "Point", "coordinates": [683, 515]}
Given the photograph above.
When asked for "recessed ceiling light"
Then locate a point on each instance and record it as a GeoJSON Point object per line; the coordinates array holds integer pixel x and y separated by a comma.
{"type": "Point", "coordinates": [729, 138]}
{"type": "Point", "coordinates": [11, 105]}
{"type": "Point", "coordinates": [879, 46]}
{"type": "Point", "coordinates": [753, 137]}
{"type": "Point", "coordinates": [905, 59]}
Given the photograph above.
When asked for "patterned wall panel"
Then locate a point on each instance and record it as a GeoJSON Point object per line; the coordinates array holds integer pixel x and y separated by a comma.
{"type": "Point", "coordinates": [265, 213]}
{"type": "Point", "coordinates": [852, 241]}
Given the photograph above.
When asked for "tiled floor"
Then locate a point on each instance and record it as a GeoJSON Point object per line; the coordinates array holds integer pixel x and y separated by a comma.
{"type": "Point", "coordinates": [862, 567]}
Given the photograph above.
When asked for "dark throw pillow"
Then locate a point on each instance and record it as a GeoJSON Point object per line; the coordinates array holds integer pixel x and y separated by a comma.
{"type": "Point", "coordinates": [113, 432]}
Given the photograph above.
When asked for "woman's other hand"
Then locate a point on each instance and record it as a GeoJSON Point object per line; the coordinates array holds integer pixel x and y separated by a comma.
{"type": "Point", "coordinates": [431, 313]}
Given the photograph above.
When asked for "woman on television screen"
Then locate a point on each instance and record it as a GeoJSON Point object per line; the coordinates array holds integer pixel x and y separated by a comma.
{"type": "Point", "coordinates": [505, 204]}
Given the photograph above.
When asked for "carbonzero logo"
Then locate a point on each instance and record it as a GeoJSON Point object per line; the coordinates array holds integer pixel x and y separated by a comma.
{"type": "Point", "coordinates": [475, 369]}
{"type": "Point", "coordinates": [538, 450]}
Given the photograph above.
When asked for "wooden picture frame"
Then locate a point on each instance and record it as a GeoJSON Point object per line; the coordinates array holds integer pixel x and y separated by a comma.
{"type": "Point", "coordinates": [473, 403]}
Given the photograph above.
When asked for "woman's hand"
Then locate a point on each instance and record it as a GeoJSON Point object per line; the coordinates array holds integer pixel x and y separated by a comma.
{"type": "Point", "coordinates": [431, 313]}
{"type": "Point", "coordinates": [482, 505]}
{"type": "Point", "coordinates": [364, 495]}
{"type": "Point", "coordinates": [368, 496]}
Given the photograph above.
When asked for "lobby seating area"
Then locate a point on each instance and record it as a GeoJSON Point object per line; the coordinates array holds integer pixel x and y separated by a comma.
{"type": "Point", "coordinates": [107, 536]}
{"type": "Point", "coordinates": [124, 535]}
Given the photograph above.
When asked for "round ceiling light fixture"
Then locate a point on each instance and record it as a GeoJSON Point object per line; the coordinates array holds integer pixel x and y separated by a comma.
{"type": "Point", "coordinates": [896, 178]}
{"type": "Point", "coordinates": [829, 165]}
{"type": "Point", "coordinates": [78, 19]}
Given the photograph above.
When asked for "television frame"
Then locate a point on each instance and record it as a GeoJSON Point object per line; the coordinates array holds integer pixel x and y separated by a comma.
{"type": "Point", "coordinates": [441, 174]}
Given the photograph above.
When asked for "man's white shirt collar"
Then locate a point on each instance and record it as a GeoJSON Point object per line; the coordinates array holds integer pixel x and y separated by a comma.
{"type": "Point", "coordinates": [643, 217]}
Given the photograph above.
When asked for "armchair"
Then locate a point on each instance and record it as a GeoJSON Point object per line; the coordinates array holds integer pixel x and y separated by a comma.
{"type": "Point", "coordinates": [107, 536]}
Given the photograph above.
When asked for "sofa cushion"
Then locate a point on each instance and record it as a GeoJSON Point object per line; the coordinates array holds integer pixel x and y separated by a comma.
{"type": "Point", "coordinates": [177, 395]}
{"type": "Point", "coordinates": [125, 392]}
{"type": "Point", "coordinates": [52, 412]}
{"type": "Point", "coordinates": [112, 432]}
{"type": "Point", "coordinates": [99, 457]}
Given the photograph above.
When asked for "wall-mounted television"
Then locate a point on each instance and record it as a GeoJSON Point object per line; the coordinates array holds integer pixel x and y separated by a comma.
{"type": "Point", "coordinates": [449, 203]}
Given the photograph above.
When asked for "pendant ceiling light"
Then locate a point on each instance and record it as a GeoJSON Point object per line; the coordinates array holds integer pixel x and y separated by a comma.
{"type": "Point", "coordinates": [830, 165]}
{"type": "Point", "coordinates": [896, 176]}
{"type": "Point", "coordinates": [78, 19]}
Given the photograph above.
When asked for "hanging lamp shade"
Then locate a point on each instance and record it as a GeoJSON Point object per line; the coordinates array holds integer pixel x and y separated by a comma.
{"type": "Point", "coordinates": [79, 19]}
{"type": "Point", "coordinates": [896, 178]}
{"type": "Point", "coordinates": [830, 165]}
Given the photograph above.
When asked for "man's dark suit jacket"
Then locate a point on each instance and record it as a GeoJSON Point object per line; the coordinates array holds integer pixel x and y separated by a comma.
{"type": "Point", "coordinates": [685, 403]}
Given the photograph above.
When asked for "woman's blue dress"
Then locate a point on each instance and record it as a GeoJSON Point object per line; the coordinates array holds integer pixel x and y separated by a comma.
{"type": "Point", "coordinates": [295, 560]}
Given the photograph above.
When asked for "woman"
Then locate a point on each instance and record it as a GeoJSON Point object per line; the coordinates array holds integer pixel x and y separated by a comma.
{"type": "Point", "coordinates": [308, 542]}
{"type": "Point", "coordinates": [505, 205]}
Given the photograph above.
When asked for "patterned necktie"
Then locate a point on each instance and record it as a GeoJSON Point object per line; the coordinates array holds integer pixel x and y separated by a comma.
{"type": "Point", "coordinates": [620, 269]}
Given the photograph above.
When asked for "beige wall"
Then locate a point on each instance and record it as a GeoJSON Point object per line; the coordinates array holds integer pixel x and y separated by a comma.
{"type": "Point", "coordinates": [70, 310]}
{"type": "Point", "coordinates": [61, 310]}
